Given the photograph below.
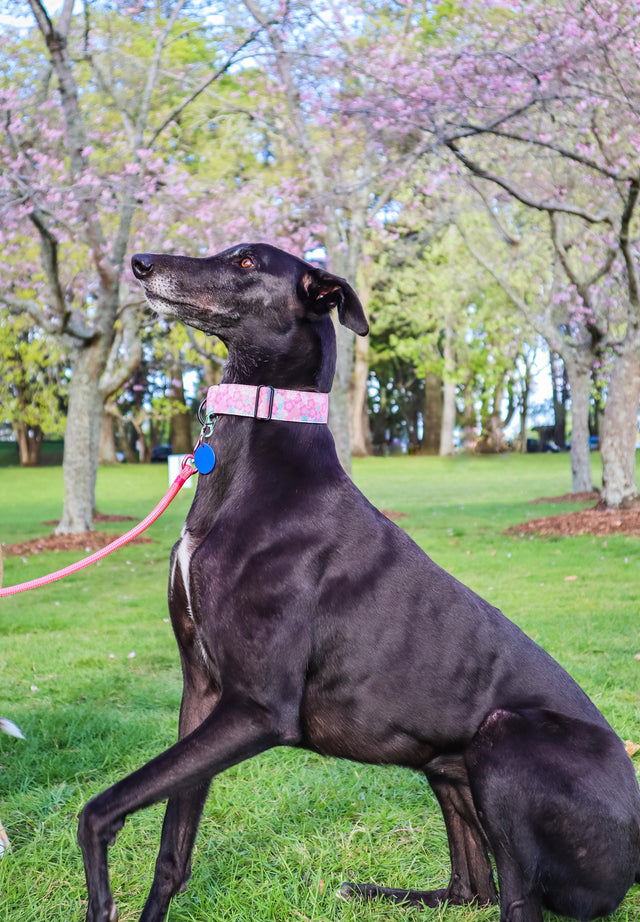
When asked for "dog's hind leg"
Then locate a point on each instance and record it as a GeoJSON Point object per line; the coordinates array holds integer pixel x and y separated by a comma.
{"type": "Point", "coordinates": [471, 872]}
{"type": "Point", "coordinates": [559, 803]}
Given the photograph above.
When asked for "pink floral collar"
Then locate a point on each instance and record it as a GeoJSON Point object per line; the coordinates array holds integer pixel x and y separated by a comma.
{"type": "Point", "coordinates": [265, 402]}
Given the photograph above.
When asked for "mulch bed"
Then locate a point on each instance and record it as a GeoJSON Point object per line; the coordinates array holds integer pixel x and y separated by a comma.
{"type": "Point", "coordinates": [591, 521]}
{"type": "Point", "coordinates": [594, 520]}
{"type": "Point", "coordinates": [85, 542]}
{"type": "Point", "coordinates": [585, 497]}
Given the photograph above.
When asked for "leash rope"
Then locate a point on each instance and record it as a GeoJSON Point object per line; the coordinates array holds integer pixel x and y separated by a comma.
{"type": "Point", "coordinates": [261, 402]}
{"type": "Point", "coordinates": [186, 471]}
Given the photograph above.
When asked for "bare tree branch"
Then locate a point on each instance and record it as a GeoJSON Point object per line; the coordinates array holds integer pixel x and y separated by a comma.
{"type": "Point", "coordinates": [76, 139]}
{"type": "Point", "coordinates": [202, 350]}
{"type": "Point", "coordinates": [625, 244]}
{"type": "Point", "coordinates": [564, 152]}
{"type": "Point", "coordinates": [504, 233]}
{"type": "Point", "coordinates": [601, 217]}
{"type": "Point", "coordinates": [129, 203]}
{"type": "Point", "coordinates": [543, 322]}
{"type": "Point", "coordinates": [127, 342]}
{"type": "Point", "coordinates": [581, 286]}
{"type": "Point", "coordinates": [49, 250]}
{"type": "Point", "coordinates": [201, 88]}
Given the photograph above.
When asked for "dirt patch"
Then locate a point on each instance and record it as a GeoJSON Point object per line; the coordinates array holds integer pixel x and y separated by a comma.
{"type": "Point", "coordinates": [394, 515]}
{"type": "Point", "coordinates": [585, 497]}
{"type": "Point", "coordinates": [85, 542]}
{"type": "Point", "coordinates": [98, 517]}
{"type": "Point", "coordinates": [592, 521]}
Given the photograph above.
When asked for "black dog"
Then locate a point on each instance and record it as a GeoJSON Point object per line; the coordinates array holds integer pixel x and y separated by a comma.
{"type": "Point", "coordinates": [305, 618]}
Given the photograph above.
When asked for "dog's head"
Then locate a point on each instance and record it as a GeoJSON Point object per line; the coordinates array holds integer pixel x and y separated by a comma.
{"type": "Point", "coordinates": [266, 305]}
{"type": "Point", "coordinates": [215, 294]}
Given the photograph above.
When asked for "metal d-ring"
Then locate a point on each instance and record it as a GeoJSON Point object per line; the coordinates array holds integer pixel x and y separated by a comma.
{"type": "Point", "coordinates": [201, 417]}
{"type": "Point", "coordinates": [206, 421]}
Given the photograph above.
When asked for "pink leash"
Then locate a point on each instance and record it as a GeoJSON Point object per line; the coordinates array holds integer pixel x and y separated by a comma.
{"type": "Point", "coordinates": [260, 402]}
{"type": "Point", "coordinates": [186, 471]}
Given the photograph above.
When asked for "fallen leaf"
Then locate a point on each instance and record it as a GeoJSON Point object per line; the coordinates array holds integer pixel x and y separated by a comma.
{"type": "Point", "coordinates": [569, 577]}
{"type": "Point", "coordinates": [631, 747]}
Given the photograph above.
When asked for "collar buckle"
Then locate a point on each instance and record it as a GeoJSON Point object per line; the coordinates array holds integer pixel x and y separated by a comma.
{"type": "Point", "coordinates": [272, 391]}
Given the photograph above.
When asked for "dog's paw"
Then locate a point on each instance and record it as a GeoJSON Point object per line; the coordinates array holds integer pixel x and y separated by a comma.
{"type": "Point", "coordinates": [347, 891]}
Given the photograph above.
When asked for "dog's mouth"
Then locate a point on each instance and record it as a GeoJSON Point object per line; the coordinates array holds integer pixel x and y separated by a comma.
{"type": "Point", "coordinates": [168, 306]}
{"type": "Point", "coordinates": [200, 317]}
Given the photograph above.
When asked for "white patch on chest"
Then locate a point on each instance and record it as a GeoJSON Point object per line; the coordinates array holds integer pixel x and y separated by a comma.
{"type": "Point", "coordinates": [183, 562]}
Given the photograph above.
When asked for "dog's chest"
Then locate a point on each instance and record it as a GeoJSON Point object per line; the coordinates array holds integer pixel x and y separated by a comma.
{"type": "Point", "coordinates": [181, 567]}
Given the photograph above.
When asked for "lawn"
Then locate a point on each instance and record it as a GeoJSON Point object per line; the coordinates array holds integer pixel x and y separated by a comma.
{"type": "Point", "coordinates": [89, 671]}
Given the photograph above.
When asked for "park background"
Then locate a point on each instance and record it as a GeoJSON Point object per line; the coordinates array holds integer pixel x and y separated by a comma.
{"type": "Point", "coordinates": [472, 168]}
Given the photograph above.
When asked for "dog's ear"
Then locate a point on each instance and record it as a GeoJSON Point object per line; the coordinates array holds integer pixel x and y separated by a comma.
{"type": "Point", "coordinates": [321, 292]}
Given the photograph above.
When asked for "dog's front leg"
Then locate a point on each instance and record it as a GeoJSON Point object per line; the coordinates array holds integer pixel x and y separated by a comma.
{"type": "Point", "coordinates": [182, 817]}
{"type": "Point", "coordinates": [236, 730]}
{"type": "Point", "coordinates": [173, 866]}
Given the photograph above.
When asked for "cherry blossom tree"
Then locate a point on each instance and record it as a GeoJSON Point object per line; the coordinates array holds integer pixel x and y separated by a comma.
{"type": "Point", "coordinates": [81, 152]}
{"type": "Point", "coordinates": [345, 167]}
{"type": "Point", "coordinates": [541, 101]}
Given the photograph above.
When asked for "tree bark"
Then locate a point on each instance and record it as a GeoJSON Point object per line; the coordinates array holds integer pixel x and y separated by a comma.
{"type": "Point", "coordinates": [524, 410]}
{"type": "Point", "coordinates": [82, 441]}
{"type": "Point", "coordinates": [579, 376]}
{"type": "Point", "coordinates": [339, 399]}
{"type": "Point", "coordinates": [29, 444]}
{"type": "Point", "coordinates": [448, 393]}
{"type": "Point", "coordinates": [620, 425]}
{"type": "Point", "coordinates": [432, 417]}
{"type": "Point", "coordinates": [358, 412]}
{"type": "Point", "coordinates": [560, 396]}
{"type": "Point", "coordinates": [180, 424]}
{"type": "Point", "coordinates": [107, 440]}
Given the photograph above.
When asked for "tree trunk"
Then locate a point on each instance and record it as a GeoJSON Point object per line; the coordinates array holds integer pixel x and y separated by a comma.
{"type": "Point", "coordinates": [344, 263]}
{"type": "Point", "coordinates": [492, 436]}
{"type": "Point", "coordinates": [339, 400]}
{"type": "Point", "coordinates": [180, 424]}
{"type": "Point", "coordinates": [29, 444]}
{"type": "Point", "coordinates": [82, 441]}
{"type": "Point", "coordinates": [560, 396]}
{"type": "Point", "coordinates": [448, 393]}
{"type": "Point", "coordinates": [107, 453]}
{"type": "Point", "coordinates": [447, 446]}
{"type": "Point", "coordinates": [524, 410]}
{"type": "Point", "coordinates": [620, 426]}
{"type": "Point", "coordinates": [432, 413]}
{"type": "Point", "coordinates": [579, 375]}
{"type": "Point", "coordinates": [358, 414]}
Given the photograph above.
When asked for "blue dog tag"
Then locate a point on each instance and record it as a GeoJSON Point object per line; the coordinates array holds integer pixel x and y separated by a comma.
{"type": "Point", "coordinates": [204, 459]}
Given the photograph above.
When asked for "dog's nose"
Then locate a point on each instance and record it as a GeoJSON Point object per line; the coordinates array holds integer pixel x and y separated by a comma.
{"type": "Point", "coordinates": [142, 265]}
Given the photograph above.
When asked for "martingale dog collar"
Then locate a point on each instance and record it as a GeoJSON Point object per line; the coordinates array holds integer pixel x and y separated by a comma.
{"type": "Point", "coordinates": [265, 402]}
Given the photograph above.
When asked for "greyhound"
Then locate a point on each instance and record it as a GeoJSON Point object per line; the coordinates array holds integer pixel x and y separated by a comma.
{"type": "Point", "coordinates": [305, 618]}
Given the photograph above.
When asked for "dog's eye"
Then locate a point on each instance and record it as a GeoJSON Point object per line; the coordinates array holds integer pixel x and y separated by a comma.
{"type": "Point", "coordinates": [247, 262]}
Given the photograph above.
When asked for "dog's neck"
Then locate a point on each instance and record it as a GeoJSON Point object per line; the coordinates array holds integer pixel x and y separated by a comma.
{"type": "Point", "coordinates": [307, 364]}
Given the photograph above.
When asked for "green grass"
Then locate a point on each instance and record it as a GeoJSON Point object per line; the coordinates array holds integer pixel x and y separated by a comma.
{"type": "Point", "coordinates": [281, 831]}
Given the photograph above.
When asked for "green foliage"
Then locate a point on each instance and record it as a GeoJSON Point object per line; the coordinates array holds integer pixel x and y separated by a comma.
{"type": "Point", "coordinates": [426, 288]}
{"type": "Point", "coordinates": [31, 370]}
{"type": "Point", "coordinates": [283, 830]}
